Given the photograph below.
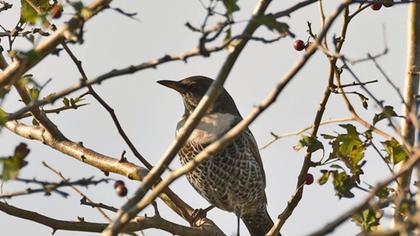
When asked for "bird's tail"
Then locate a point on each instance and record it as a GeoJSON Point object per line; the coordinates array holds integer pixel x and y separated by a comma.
{"type": "Point", "coordinates": [259, 223]}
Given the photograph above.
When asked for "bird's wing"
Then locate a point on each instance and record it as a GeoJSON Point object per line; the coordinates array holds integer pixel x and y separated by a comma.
{"type": "Point", "coordinates": [253, 147]}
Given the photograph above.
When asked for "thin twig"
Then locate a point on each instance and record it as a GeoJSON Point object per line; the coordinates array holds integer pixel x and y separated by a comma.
{"type": "Point", "coordinates": [277, 137]}
{"type": "Point", "coordinates": [59, 174]}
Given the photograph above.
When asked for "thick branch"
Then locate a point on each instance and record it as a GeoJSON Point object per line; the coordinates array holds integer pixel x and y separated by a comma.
{"type": "Point", "coordinates": [411, 89]}
{"type": "Point", "coordinates": [78, 151]}
{"type": "Point", "coordinates": [140, 223]}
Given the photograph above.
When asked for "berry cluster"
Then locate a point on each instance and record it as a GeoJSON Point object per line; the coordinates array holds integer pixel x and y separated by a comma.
{"type": "Point", "coordinates": [378, 5]}
{"type": "Point", "coordinates": [120, 188]}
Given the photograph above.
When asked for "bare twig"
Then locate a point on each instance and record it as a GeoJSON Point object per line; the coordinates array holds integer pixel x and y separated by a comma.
{"type": "Point", "coordinates": [277, 137]}
{"type": "Point", "coordinates": [86, 202]}
{"type": "Point", "coordinates": [107, 107]}
{"type": "Point", "coordinates": [381, 70]}
{"type": "Point", "coordinates": [59, 174]}
{"type": "Point", "coordinates": [48, 187]}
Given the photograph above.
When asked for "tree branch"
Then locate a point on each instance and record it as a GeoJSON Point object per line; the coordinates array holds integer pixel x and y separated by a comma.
{"type": "Point", "coordinates": [129, 210]}
{"type": "Point", "coordinates": [140, 223]}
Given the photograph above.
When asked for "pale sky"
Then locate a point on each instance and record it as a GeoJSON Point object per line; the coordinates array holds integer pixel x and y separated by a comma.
{"type": "Point", "coordinates": [149, 112]}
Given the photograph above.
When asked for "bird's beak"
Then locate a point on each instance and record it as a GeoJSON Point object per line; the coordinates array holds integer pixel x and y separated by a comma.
{"type": "Point", "coordinates": [173, 85]}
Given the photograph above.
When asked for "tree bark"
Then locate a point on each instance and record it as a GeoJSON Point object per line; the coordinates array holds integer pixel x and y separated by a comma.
{"type": "Point", "coordinates": [411, 87]}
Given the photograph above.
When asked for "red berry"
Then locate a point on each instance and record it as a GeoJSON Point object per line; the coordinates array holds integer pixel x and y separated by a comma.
{"type": "Point", "coordinates": [388, 3]}
{"type": "Point", "coordinates": [376, 6]}
{"type": "Point", "coordinates": [299, 45]}
{"type": "Point", "coordinates": [56, 10]}
{"type": "Point", "coordinates": [119, 183]}
{"type": "Point", "coordinates": [309, 179]}
{"type": "Point", "coordinates": [121, 191]}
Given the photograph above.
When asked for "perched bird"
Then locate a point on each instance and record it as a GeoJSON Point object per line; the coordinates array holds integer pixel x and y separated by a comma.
{"type": "Point", "coordinates": [234, 178]}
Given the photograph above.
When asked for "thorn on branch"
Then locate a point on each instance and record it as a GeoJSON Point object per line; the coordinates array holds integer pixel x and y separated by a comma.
{"type": "Point", "coordinates": [191, 27]}
{"type": "Point", "coordinates": [129, 15]}
{"type": "Point", "coordinates": [122, 158]}
{"type": "Point", "coordinates": [155, 207]}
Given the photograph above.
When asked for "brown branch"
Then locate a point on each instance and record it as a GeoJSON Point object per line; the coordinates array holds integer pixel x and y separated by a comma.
{"type": "Point", "coordinates": [129, 210]}
{"type": "Point", "coordinates": [140, 223]}
{"type": "Point", "coordinates": [86, 202]}
{"type": "Point", "coordinates": [54, 110]}
{"type": "Point", "coordinates": [78, 151]}
{"type": "Point", "coordinates": [411, 90]}
{"type": "Point", "coordinates": [296, 7]}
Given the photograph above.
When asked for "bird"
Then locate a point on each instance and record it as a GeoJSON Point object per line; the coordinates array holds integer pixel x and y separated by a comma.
{"type": "Point", "coordinates": [233, 179]}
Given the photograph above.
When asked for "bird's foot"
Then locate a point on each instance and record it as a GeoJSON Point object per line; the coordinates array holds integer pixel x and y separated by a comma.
{"type": "Point", "coordinates": [199, 214]}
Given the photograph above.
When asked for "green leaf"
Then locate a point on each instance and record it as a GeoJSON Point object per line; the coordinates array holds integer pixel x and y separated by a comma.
{"type": "Point", "coordinates": [312, 143]}
{"type": "Point", "coordinates": [396, 152]}
{"type": "Point", "coordinates": [231, 6]}
{"type": "Point", "coordinates": [272, 24]}
{"type": "Point", "coordinates": [228, 35]}
{"type": "Point", "coordinates": [387, 112]}
{"type": "Point", "coordinates": [343, 184]}
{"type": "Point", "coordinates": [3, 117]}
{"type": "Point", "coordinates": [30, 15]}
{"type": "Point", "coordinates": [335, 166]}
{"type": "Point", "coordinates": [324, 177]}
{"type": "Point", "coordinates": [351, 129]}
{"type": "Point", "coordinates": [383, 193]}
{"type": "Point", "coordinates": [66, 102]}
{"type": "Point", "coordinates": [368, 219]}
{"type": "Point", "coordinates": [34, 92]}
{"type": "Point", "coordinates": [13, 164]}
{"type": "Point", "coordinates": [349, 149]}
{"type": "Point", "coordinates": [364, 100]}
{"type": "Point", "coordinates": [327, 136]}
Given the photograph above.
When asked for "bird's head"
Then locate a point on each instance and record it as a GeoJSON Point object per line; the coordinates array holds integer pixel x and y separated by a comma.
{"type": "Point", "coordinates": [193, 88]}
